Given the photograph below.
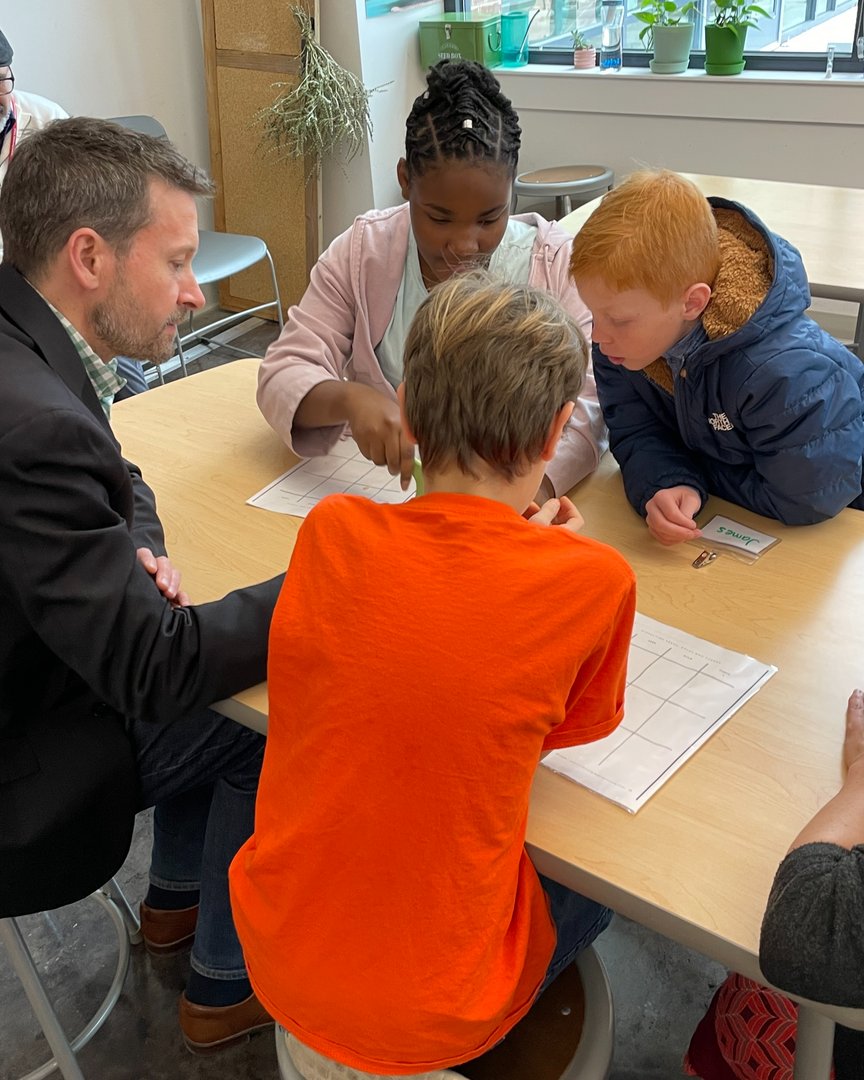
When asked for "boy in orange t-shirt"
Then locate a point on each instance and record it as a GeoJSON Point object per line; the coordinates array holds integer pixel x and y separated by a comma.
{"type": "Point", "coordinates": [423, 657]}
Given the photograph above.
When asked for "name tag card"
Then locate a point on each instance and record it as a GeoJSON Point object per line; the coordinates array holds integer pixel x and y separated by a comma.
{"type": "Point", "coordinates": [724, 532]}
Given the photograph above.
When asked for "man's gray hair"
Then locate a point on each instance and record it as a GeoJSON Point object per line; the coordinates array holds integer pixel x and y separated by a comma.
{"type": "Point", "coordinates": [84, 173]}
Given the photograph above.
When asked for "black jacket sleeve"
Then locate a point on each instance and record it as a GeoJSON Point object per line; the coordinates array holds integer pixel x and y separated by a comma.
{"type": "Point", "coordinates": [69, 564]}
{"type": "Point", "coordinates": [146, 526]}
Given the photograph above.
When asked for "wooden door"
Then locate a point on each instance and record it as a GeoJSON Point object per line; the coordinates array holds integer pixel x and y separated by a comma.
{"type": "Point", "coordinates": [249, 47]}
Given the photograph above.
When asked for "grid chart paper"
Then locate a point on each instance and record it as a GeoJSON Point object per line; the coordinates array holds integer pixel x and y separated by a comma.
{"type": "Point", "coordinates": [344, 471]}
{"type": "Point", "coordinates": [680, 690]}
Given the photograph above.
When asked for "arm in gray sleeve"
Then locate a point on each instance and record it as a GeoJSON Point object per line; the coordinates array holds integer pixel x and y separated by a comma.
{"type": "Point", "coordinates": [812, 941]}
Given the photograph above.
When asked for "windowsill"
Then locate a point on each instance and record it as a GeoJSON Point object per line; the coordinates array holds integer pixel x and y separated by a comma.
{"type": "Point", "coordinates": [804, 97]}
{"type": "Point", "coordinates": [818, 78]}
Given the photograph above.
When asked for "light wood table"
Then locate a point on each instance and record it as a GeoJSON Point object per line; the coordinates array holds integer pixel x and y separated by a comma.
{"type": "Point", "coordinates": [826, 224]}
{"type": "Point", "coordinates": [696, 863]}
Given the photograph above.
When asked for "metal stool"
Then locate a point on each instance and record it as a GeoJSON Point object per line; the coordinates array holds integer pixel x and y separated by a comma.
{"type": "Point", "coordinates": [591, 1059]}
{"type": "Point", "coordinates": [128, 932]}
{"type": "Point", "coordinates": [565, 183]}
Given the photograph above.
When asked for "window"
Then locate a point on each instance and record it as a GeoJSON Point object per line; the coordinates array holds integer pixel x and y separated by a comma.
{"type": "Point", "coordinates": [797, 36]}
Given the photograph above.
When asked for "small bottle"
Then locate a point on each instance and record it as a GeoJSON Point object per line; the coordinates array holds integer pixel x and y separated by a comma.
{"type": "Point", "coordinates": [612, 23]}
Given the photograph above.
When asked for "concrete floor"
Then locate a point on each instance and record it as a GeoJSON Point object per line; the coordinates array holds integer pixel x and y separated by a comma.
{"type": "Point", "coordinates": [661, 990]}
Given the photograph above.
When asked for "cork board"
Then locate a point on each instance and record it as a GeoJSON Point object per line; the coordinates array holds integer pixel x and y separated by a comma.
{"type": "Point", "coordinates": [264, 26]}
{"type": "Point", "coordinates": [247, 48]}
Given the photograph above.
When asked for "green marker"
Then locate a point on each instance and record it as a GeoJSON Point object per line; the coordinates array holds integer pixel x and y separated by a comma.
{"type": "Point", "coordinates": [418, 475]}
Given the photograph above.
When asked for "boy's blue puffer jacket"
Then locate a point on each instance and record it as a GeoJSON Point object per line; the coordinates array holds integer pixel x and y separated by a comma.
{"type": "Point", "coordinates": [768, 415]}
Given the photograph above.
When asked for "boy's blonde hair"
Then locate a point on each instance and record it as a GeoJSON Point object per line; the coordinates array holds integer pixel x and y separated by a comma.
{"type": "Point", "coordinates": [656, 232]}
{"type": "Point", "coordinates": [487, 367]}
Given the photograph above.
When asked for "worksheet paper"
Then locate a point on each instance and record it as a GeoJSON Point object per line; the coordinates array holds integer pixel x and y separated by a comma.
{"type": "Point", "coordinates": [343, 471]}
{"type": "Point", "coordinates": [680, 689]}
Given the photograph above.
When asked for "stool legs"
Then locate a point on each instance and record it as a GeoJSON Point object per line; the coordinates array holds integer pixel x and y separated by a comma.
{"type": "Point", "coordinates": [130, 918]}
{"type": "Point", "coordinates": [127, 929]}
{"type": "Point", "coordinates": [814, 1045]}
{"type": "Point", "coordinates": [26, 971]}
{"type": "Point", "coordinates": [858, 343]}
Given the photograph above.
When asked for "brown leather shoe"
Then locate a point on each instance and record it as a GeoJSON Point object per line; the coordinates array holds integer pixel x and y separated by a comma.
{"type": "Point", "coordinates": [167, 932]}
{"type": "Point", "coordinates": [208, 1028]}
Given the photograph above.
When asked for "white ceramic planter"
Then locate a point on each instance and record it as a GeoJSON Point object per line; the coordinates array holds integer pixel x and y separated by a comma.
{"type": "Point", "coordinates": [672, 48]}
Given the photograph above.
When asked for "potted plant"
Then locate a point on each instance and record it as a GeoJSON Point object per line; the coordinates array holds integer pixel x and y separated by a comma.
{"type": "Point", "coordinates": [725, 37]}
{"type": "Point", "coordinates": [668, 31]}
{"type": "Point", "coordinates": [584, 53]}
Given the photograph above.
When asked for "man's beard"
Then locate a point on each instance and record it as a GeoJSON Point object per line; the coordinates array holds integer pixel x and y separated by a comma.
{"type": "Point", "coordinates": [117, 322]}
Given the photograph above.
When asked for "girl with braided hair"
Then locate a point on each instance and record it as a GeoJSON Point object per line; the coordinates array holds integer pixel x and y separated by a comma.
{"type": "Point", "coordinates": [338, 360]}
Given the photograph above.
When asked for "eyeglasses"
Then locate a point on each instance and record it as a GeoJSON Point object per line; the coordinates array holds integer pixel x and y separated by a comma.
{"type": "Point", "coordinates": [7, 83]}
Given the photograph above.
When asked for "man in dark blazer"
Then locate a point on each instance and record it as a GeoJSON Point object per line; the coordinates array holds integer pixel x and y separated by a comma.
{"type": "Point", "coordinates": [105, 668]}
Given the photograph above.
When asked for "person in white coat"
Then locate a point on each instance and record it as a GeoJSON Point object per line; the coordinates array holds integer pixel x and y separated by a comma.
{"type": "Point", "coordinates": [22, 114]}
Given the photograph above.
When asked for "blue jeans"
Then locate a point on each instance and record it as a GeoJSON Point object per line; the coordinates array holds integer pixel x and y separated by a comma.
{"type": "Point", "coordinates": [578, 921]}
{"type": "Point", "coordinates": [200, 774]}
{"type": "Point", "coordinates": [133, 372]}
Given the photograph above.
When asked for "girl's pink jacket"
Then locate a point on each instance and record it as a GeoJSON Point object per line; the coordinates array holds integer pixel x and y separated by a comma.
{"type": "Point", "coordinates": [333, 331]}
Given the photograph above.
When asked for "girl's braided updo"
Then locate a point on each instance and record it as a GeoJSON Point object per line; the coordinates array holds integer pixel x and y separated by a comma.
{"type": "Point", "coordinates": [462, 115]}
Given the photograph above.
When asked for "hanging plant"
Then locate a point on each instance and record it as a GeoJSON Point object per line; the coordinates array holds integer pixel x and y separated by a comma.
{"type": "Point", "coordinates": [326, 113]}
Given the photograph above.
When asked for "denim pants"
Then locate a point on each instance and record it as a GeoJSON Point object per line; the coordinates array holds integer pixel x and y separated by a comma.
{"type": "Point", "coordinates": [200, 774]}
{"type": "Point", "coordinates": [133, 372]}
{"type": "Point", "coordinates": [578, 922]}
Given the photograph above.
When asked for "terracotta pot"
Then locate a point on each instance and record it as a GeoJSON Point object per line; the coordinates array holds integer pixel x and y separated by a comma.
{"type": "Point", "coordinates": [584, 58]}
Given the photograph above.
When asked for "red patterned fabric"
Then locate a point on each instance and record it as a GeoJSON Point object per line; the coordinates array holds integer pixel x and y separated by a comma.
{"type": "Point", "coordinates": [748, 1033]}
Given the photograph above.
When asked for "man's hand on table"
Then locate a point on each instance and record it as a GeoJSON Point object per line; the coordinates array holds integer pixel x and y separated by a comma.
{"type": "Point", "coordinates": [166, 576]}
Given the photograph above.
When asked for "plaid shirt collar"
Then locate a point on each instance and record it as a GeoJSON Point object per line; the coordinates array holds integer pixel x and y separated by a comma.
{"type": "Point", "coordinates": [103, 376]}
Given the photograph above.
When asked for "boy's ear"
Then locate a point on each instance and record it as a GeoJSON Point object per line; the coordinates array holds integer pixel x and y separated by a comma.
{"type": "Point", "coordinates": [555, 429]}
{"type": "Point", "coordinates": [696, 300]}
{"type": "Point", "coordinates": [406, 427]}
{"type": "Point", "coordinates": [402, 177]}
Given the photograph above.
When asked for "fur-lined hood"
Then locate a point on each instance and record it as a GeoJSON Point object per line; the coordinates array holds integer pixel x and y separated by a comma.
{"type": "Point", "coordinates": [761, 283]}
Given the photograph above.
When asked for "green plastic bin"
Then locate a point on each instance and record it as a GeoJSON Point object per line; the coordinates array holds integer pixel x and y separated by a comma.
{"type": "Point", "coordinates": [461, 37]}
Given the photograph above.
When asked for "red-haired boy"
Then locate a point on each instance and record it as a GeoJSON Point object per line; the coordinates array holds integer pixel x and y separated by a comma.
{"type": "Point", "coordinates": [712, 378]}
